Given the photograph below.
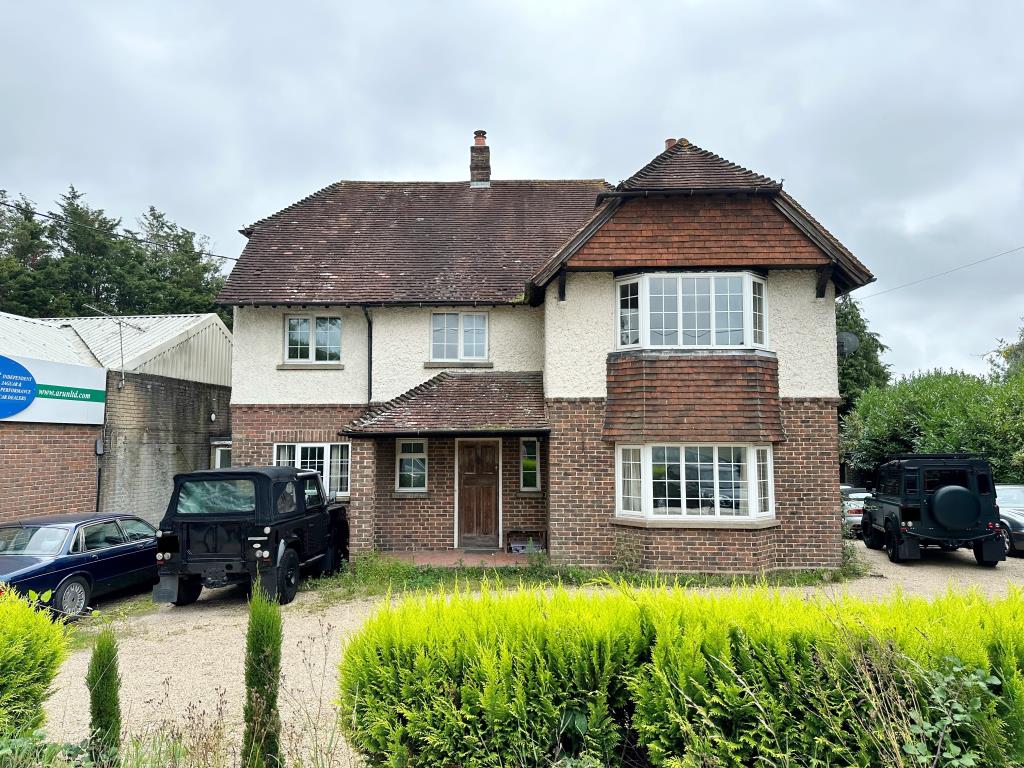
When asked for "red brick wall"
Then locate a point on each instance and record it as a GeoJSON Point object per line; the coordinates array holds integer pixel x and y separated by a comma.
{"type": "Point", "coordinates": [416, 521]}
{"type": "Point", "coordinates": [582, 505]}
{"type": "Point", "coordinates": [700, 396]}
{"type": "Point", "coordinates": [807, 485]}
{"type": "Point", "coordinates": [47, 469]}
{"type": "Point", "coordinates": [708, 231]}
{"type": "Point", "coordinates": [581, 483]}
{"type": "Point", "coordinates": [255, 428]}
{"type": "Point", "coordinates": [522, 510]}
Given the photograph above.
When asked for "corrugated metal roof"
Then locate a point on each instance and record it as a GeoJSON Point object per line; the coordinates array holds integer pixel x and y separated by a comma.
{"type": "Point", "coordinates": [142, 334]}
{"type": "Point", "coordinates": [195, 347]}
{"type": "Point", "coordinates": [41, 339]}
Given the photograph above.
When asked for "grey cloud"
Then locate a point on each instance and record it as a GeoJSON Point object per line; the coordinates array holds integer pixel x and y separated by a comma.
{"type": "Point", "coordinates": [896, 124]}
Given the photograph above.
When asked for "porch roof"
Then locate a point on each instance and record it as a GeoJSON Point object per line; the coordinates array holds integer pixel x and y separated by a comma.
{"type": "Point", "coordinates": [461, 403]}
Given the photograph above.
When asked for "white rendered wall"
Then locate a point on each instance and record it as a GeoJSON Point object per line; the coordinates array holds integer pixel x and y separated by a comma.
{"type": "Point", "coordinates": [579, 333]}
{"type": "Point", "coordinates": [802, 333]}
{"type": "Point", "coordinates": [401, 344]}
{"type": "Point", "coordinates": [259, 350]}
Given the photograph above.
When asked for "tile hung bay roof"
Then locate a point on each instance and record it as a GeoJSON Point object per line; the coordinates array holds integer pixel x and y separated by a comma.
{"type": "Point", "coordinates": [457, 403]}
{"type": "Point", "coordinates": [685, 166]}
{"type": "Point", "coordinates": [367, 242]}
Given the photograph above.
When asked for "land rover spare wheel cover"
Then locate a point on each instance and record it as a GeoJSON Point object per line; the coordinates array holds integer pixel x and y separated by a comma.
{"type": "Point", "coordinates": [956, 507]}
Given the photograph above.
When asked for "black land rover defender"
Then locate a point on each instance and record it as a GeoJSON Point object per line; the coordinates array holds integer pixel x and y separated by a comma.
{"type": "Point", "coordinates": [945, 500]}
{"type": "Point", "coordinates": [247, 525]}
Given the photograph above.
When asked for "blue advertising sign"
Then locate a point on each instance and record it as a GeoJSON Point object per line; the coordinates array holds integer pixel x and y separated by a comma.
{"type": "Point", "coordinates": [17, 387]}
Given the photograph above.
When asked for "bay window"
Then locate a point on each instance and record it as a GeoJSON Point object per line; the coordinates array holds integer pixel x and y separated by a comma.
{"type": "Point", "coordinates": [331, 460]}
{"type": "Point", "coordinates": [692, 310]}
{"type": "Point", "coordinates": [694, 481]}
{"type": "Point", "coordinates": [458, 336]}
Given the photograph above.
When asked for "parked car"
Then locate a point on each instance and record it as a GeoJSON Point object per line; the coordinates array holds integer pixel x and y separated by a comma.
{"type": "Point", "coordinates": [247, 525]}
{"type": "Point", "coordinates": [944, 500]}
{"type": "Point", "coordinates": [77, 557]}
{"type": "Point", "coordinates": [853, 507]}
{"type": "Point", "coordinates": [1011, 517]}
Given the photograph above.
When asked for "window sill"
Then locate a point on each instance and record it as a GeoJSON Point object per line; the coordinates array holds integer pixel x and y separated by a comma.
{"type": "Point", "coordinates": [458, 364]}
{"type": "Point", "coordinates": [720, 524]}
{"type": "Point", "coordinates": [536, 493]}
{"type": "Point", "coordinates": [410, 494]}
{"type": "Point", "coordinates": [310, 366]}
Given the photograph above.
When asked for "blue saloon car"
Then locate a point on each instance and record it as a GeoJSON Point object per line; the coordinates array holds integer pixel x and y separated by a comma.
{"type": "Point", "coordinates": [77, 557]}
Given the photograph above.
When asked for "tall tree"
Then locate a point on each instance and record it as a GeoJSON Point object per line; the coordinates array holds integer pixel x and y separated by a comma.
{"type": "Point", "coordinates": [864, 368]}
{"type": "Point", "coordinates": [1008, 358]}
{"type": "Point", "coordinates": [82, 256]}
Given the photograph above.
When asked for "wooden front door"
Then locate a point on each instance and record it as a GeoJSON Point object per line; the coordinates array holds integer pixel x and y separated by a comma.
{"type": "Point", "coordinates": [478, 494]}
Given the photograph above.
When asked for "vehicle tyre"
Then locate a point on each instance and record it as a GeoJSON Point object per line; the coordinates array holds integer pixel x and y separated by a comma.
{"type": "Point", "coordinates": [72, 597]}
{"type": "Point", "coordinates": [189, 590]}
{"type": "Point", "coordinates": [288, 577]}
{"type": "Point", "coordinates": [873, 539]}
{"type": "Point", "coordinates": [1008, 540]}
{"type": "Point", "coordinates": [892, 545]}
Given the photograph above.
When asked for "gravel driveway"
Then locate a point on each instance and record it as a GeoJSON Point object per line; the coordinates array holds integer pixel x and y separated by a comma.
{"type": "Point", "coordinates": [185, 665]}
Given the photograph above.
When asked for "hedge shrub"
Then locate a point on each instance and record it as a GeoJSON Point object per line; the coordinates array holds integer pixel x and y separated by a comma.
{"type": "Point", "coordinates": [687, 680]}
{"type": "Point", "coordinates": [32, 647]}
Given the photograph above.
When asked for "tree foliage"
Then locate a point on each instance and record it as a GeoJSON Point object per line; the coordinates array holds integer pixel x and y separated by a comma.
{"type": "Point", "coordinates": [104, 683]}
{"type": "Point", "coordinates": [864, 368]}
{"type": "Point", "coordinates": [55, 267]}
{"type": "Point", "coordinates": [939, 412]}
{"type": "Point", "coordinates": [1007, 361]}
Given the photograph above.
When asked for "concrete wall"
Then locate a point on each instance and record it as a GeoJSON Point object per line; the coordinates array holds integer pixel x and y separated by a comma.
{"type": "Point", "coordinates": [802, 332]}
{"type": "Point", "coordinates": [259, 350]}
{"type": "Point", "coordinates": [579, 333]}
{"type": "Point", "coordinates": [156, 427]}
{"type": "Point", "coordinates": [401, 346]}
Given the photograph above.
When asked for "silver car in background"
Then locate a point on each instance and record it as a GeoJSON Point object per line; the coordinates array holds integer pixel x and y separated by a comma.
{"type": "Point", "coordinates": [853, 508]}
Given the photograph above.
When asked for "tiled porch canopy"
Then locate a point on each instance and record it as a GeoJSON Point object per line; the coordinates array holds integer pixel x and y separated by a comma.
{"type": "Point", "coordinates": [460, 403]}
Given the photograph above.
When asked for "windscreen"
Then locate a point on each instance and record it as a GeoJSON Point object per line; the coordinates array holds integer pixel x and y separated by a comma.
{"type": "Point", "coordinates": [940, 478]}
{"type": "Point", "coordinates": [217, 497]}
{"type": "Point", "coordinates": [31, 540]}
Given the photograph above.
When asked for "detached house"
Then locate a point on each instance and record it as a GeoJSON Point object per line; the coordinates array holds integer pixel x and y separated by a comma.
{"type": "Point", "coordinates": [640, 374]}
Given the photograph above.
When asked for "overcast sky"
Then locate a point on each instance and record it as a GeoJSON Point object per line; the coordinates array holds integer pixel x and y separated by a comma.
{"type": "Point", "coordinates": [900, 126]}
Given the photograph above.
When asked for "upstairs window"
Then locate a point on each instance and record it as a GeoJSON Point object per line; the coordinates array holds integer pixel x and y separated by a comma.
{"type": "Point", "coordinates": [312, 339]}
{"type": "Point", "coordinates": [692, 310]}
{"type": "Point", "coordinates": [458, 336]}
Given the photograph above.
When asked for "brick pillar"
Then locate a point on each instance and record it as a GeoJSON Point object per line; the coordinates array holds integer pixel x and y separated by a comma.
{"type": "Point", "coordinates": [362, 509]}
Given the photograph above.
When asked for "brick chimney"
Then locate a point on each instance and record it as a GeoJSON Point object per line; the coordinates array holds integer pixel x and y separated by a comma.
{"type": "Point", "coordinates": [479, 161]}
{"type": "Point", "coordinates": [669, 143]}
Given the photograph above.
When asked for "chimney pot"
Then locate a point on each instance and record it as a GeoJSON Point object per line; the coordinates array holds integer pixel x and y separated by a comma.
{"type": "Point", "coordinates": [479, 161]}
{"type": "Point", "coordinates": [669, 143]}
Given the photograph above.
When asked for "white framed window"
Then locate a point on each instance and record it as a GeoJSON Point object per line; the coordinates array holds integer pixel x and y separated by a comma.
{"type": "Point", "coordinates": [458, 336]}
{"type": "Point", "coordinates": [411, 465]}
{"type": "Point", "coordinates": [692, 310]}
{"type": "Point", "coordinates": [332, 460]}
{"type": "Point", "coordinates": [529, 464]}
{"type": "Point", "coordinates": [220, 455]}
{"type": "Point", "coordinates": [666, 481]}
{"type": "Point", "coordinates": [312, 339]}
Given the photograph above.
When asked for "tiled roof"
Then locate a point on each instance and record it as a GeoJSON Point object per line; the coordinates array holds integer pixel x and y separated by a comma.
{"type": "Point", "coordinates": [461, 402]}
{"type": "Point", "coordinates": [685, 166]}
{"type": "Point", "coordinates": [362, 242]}
{"type": "Point", "coordinates": [702, 397]}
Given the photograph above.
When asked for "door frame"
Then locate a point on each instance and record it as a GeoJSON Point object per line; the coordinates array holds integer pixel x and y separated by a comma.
{"type": "Point", "coordinates": [499, 441]}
